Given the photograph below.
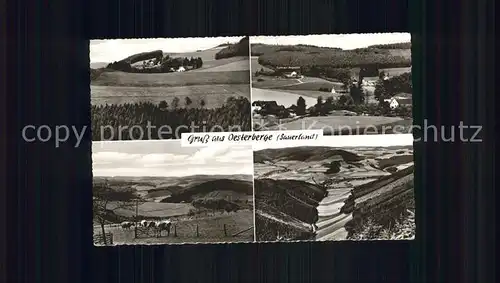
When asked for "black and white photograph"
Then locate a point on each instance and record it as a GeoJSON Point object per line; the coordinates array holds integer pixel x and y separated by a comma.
{"type": "Point", "coordinates": [144, 89]}
{"type": "Point", "coordinates": [157, 192]}
{"type": "Point", "coordinates": [343, 84]}
{"type": "Point", "coordinates": [339, 188]}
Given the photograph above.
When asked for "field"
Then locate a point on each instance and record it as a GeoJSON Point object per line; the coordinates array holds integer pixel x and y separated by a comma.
{"type": "Point", "coordinates": [214, 82]}
{"type": "Point", "coordinates": [211, 230]}
{"type": "Point", "coordinates": [286, 99]}
{"type": "Point", "coordinates": [199, 200]}
{"type": "Point", "coordinates": [213, 95]}
{"type": "Point", "coordinates": [335, 190]}
{"type": "Point", "coordinates": [118, 78]}
{"type": "Point", "coordinates": [332, 125]}
{"type": "Point", "coordinates": [305, 83]}
{"type": "Point", "coordinates": [396, 71]}
{"type": "Point", "coordinates": [254, 61]}
{"type": "Point", "coordinates": [314, 94]}
{"type": "Point", "coordinates": [226, 65]}
{"type": "Point", "coordinates": [155, 209]}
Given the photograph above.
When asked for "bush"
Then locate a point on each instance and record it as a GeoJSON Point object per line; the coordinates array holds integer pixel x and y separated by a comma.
{"type": "Point", "coordinates": [269, 230]}
{"type": "Point", "coordinates": [239, 49]}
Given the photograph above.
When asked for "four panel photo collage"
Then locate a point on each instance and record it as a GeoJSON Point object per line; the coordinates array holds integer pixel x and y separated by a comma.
{"type": "Point", "coordinates": [352, 182]}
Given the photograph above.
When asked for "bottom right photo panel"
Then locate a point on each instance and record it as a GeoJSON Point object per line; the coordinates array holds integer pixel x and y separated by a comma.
{"type": "Point", "coordinates": [338, 188]}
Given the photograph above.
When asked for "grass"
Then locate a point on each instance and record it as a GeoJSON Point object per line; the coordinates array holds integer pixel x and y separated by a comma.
{"type": "Point", "coordinates": [396, 224]}
{"type": "Point", "coordinates": [396, 71]}
{"type": "Point", "coordinates": [394, 161]}
{"type": "Point", "coordinates": [268, 82]}
{"type": "Point", "coordinates": [213, 95]}
{"type": "Point", "coordinates": [281, 97]}
{"type": "Point", "coordinates": [254, 61]}
{"type": "Point", "coordinates": [211, 229]}
{"type": "Point", "coordinates": [314, 94]}
{"type": "Point", "coordinates": [155, 209]}
{"type": "Point", "coordinates": [171, 79]}
{"type": "Point", "coordinates": [227, 65]}
{"type": "Point", "coordinates": [268, 230]}
{"type": "Point", "coordinates": [332, 124]}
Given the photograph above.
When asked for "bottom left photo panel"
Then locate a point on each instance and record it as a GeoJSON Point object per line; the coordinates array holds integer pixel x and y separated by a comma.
{"type": "Point", "coordinates": [158, 192]}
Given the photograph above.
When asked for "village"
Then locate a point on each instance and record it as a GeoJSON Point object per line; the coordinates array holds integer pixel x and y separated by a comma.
{"type": "Point", "coordinates": [335, 101]}
{"type": "Point", "coordinates": [290, 84]}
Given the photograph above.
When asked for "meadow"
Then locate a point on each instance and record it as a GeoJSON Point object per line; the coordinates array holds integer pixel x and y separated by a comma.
{"type": "Point", "coordinates": [210, 230]}
{"type": "Point", "coordinates": [213, 96]}
{"type": "Point", "coordinates": [286, 99]}
{"type": "Point", "coordinates": [117, 78]}
{"type": "Point", "coordinates": [332, 125]}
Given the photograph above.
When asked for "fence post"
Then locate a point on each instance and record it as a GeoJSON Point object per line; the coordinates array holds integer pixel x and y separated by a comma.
{"type": "Point", "coordinates": [225, 230]}
{"type": "Point", "coordinates": [136, 217]}
{"type": "Point", "coordinates": [197, 231]}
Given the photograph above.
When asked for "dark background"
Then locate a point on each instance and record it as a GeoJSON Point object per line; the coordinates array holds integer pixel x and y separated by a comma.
{"type": "Point", "coordinates": [45, 201]}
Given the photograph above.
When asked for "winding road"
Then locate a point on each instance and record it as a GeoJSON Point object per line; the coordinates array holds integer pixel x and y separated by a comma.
{"type": "Point", "coordinates": [331, 222]}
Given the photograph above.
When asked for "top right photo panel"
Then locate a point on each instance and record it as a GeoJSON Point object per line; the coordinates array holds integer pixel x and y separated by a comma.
{"type": "Point", "coordinates": [345, 84]}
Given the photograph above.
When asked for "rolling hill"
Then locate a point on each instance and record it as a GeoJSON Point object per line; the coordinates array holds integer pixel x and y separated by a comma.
{"type": "Point", "coordinates": [383, 56]}
{"type": "Point", "coordinates": [152, 188]}
{"type": "Point", "coordinates": [221, 188]}
{"type": "Point", "coordinates": [305, 154]}
{"type": "Point", "coordinates": [301, 186]}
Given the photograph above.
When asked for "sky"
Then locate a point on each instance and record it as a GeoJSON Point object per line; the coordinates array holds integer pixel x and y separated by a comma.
{"type": "Point", "coordinates": [347, 141]}
{"type": "Point", "coordinates": [166, 158]}
{"type": "Point", "coordinates": [109, 50]}
{"type": "Point", "coordinates": [344, 41]}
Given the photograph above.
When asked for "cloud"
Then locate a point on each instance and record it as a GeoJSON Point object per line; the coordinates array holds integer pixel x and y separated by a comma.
{"type": "Point", "coordinates": [217, 160]}
{"type": "Point", "coordinates": [118, 49]}
{"type": "Point", "coordinates": [346, 141]}
{"type": "Point", "coordinates": [161, 158]}
{"type": "Point", "coordinates": [242, 155]}
{"type": "Point", "coordinates": [207, 154]}
{"type": "Point", "coordinates": [110, 156]}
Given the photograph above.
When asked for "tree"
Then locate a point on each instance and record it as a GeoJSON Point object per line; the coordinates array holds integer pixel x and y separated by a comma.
{"type": "Point", "coordinates": [106, 201]}
{"type": "Point", "coordinates": [387, 88]}
{"type": "Point", "coordinates": [357, 94]}
{"type": "Point", "coordinates": [185, 62]}
{"type": "Point", "coordinates": [175, 102]}
{"type": "Point", "coordinates": [345, 100]}
{"type": "Point", "coordinates": [333, 167]}
{"type": "Point", "coordinates": [301, 106]}
{"type": "Point", "coordinates": [329, 105]}
{"type": "Point", "coordinates": [163, 104]}
{"type": "Point", "coordinates": [202, 103]}
{"type": "Point", "coordinates": [319, 100]}
{"type": "Point", "coordinates": [188, 101]}
{"type": "Point", "coordinates": [381, 75]}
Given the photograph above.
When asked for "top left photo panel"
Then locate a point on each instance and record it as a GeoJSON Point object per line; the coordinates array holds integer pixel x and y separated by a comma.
{"type": "Point", "coordinates": [150, 89]}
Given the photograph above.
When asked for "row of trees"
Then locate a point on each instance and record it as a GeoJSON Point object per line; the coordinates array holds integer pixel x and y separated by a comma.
{"type": "Point", "coordinates": [158, 65]}
{"type": "Point", "coordinates": [216, 204]}
{"type": "Point", "coordinates": [335, 59]}
{"type": "Point", "coordinates": [346, 102]}
{"type": "Point", "coordinates": [234, 115]}
{"type": "Point", "coordinates": [232, 50]}
{"type": "Point", "coordinates": [385, 89]}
